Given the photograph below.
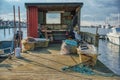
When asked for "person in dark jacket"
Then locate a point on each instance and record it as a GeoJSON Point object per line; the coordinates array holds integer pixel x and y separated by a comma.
{"type": "Point", "coordinates": [18, 37]}
{"type": "Point", "coordinates": [71, 34]}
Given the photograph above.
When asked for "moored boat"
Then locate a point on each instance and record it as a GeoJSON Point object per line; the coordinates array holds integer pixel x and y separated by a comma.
{"type": "Point", "coordinates": [114, 36]}
{"type": "Point", "coordinates": [87, 54]}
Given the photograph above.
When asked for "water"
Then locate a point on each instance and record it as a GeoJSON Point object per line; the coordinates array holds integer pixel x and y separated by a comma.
{"type": "Point", "coordinates": [110, 53]}
{"type": "Point", "coordinates": [7, 34]}
{"type": "Point", "coordinates": [101, 31]}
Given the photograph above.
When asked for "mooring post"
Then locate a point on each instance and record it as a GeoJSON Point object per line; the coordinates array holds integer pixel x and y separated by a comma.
{"type": "Point", "coordinates": [9, 29]}
{"type": "Point", "coordinates": [97, 38]}
{"type": "Point", "coordinates": [4, 32]}
{"type": "Point", "coordinates": [14, 29]}
{"type": "Point", "coordinates": [20, 32]}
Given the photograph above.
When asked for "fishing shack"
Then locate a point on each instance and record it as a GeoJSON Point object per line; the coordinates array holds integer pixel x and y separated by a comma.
{"type": "Point", "coordinates": [39, 15]}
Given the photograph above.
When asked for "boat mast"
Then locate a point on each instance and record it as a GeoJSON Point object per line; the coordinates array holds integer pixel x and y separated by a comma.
{"type": "Point", "coordinates": [106, 22]}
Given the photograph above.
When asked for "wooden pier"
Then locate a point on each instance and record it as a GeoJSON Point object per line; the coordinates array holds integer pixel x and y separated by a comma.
{"type": "Point", "coordinates": [90, 38]}
{"type": "Point", "coordinates": [47, 64]}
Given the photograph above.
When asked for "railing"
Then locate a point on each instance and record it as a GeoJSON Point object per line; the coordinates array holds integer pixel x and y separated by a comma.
{"type": "Point", "coordinates": [55, 26]}
{"type": "Point", "coordinates": [90, 38]}
{"type": "Point", "coordinates": [2, 50]}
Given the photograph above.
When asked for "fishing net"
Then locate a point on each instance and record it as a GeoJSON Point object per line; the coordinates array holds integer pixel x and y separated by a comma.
{"type": "Point", "coordinates": [79, 68]}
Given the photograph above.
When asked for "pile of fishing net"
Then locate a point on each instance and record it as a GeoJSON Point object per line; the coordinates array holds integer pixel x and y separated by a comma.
{"type": "Point", "coordinates": [79, 68]}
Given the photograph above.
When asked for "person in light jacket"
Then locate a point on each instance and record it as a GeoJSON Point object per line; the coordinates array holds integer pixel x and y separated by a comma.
{"type": "Point", "coordinates": [77, 33]}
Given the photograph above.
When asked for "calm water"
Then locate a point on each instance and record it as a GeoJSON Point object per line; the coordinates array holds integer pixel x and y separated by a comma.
{"type": "Point", "coordinates": [110, 53]}
{"type": "Point", "coordinates": [101, 31]}
{"type": "Point", "coordinates": [7, 34]}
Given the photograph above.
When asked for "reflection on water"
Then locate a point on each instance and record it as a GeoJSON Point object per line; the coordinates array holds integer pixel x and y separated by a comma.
{"type": "Point", "coordinates": [110, 55]}
{"type": "Point", "coordinates": [7, 34]}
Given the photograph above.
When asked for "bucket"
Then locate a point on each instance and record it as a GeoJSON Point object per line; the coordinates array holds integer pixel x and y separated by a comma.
{"type": "Point", "coordinates": [17, 52]}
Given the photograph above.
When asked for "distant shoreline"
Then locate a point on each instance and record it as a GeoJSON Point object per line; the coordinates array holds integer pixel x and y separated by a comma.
{"type": "Point", "coordinates": [7, 27]}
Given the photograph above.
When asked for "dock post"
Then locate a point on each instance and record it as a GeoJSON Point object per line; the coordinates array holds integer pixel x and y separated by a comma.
{"type": "Point", "coordinates": [9, 29]}
{"type": "Point", "coordinates": [14, 42]}
{"type": "Point", "coordinates": [4, 31]}
{"type": "Point", "coordinates": [20, 32]}
{"type": "Point", "coordinates": [97, 38]}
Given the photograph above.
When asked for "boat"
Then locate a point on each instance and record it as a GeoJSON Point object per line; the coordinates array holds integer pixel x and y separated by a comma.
{"type": "Point", "coordinates": [87, 54]}
{"type": "Point", "coordinates": [114, 36]}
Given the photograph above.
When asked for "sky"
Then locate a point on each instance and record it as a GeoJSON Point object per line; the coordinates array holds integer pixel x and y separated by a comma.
{"type": "Point", "coordinates": [93, 12]}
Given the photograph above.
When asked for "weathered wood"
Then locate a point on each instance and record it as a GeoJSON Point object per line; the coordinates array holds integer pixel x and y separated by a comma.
{"type": "Point", "coordinates": [96, 40]}
{"type": "Point", "coordinates": [90, 38]}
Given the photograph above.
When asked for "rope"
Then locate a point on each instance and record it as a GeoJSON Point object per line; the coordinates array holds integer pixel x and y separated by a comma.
{"type": "Point", "coordinates": [85, 70]}
{"type": "Point", "coordinates": [79, 68]}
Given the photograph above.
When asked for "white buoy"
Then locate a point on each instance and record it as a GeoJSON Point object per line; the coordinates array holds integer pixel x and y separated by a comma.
{"type": "Point", "coordinates": [17, 52]}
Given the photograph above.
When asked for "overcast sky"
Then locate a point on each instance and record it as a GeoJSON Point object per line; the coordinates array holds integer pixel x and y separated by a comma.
{"type": "Point", "coordinates": [94, 12]}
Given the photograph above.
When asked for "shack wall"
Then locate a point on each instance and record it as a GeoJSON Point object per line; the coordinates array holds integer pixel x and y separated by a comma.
{"type": "Point", "coordinates": [32, 21]}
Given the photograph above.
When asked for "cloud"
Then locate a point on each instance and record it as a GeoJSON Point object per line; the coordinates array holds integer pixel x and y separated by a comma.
{"type": "Point", "coordinates": [89, 23]}
{"type": "Point", "coordinates": [87, 16]}
{"type": "Point", "coordinates": [12, 0]}
{"type": "Point", "coordinates": [53, 15]}
{"type": "Point", "coordinates": [109, 3]}
{"type": "Point", "coordinates": [114, 15]}
{"type": "Point", "coordinates": [92, 10]}
{"type": "Point", "coordinates": [53, 18]}
{"type": "Point", "coordinates": [1, 3]}
{"type": "Point", "coordinates": [9, 16]}
{"type": "Point", "coordinates": [99, 9]}
{"type": "Point", "coordinates": [114, 19]}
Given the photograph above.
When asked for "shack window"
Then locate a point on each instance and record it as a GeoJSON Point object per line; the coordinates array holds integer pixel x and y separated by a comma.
{"type": "Point", "coordinates": [53, 18]}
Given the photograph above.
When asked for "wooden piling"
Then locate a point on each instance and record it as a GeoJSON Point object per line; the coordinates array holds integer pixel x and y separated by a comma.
{"type": "Point", "coordinates": [20, 32]}
{"type": "Point", "coordinates": [14, 27]}
{"type": "Point", "coordinates": [9, 29]}
{"type": "Point", "coordinates": [4, 31]}
{"type": "Point", "coordinates": [97, 38]}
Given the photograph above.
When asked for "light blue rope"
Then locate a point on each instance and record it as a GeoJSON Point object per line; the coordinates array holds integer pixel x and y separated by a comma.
{"type": "Point", "coordinates": [85, 70]}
